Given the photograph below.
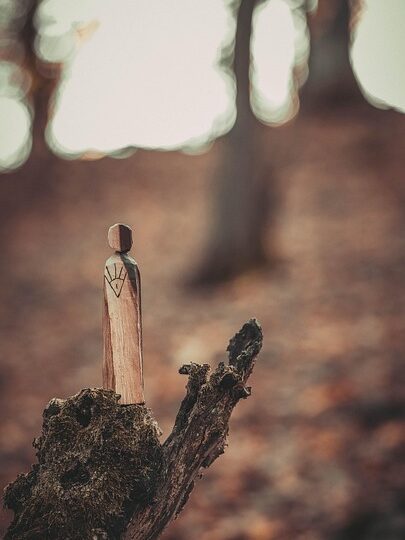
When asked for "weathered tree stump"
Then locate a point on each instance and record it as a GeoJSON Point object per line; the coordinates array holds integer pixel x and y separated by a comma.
{"type": "Point", "coordinates": [102, 472]}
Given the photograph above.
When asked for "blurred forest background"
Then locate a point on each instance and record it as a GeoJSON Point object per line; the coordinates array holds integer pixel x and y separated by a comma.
{"type": "Point", "coordinates": [257, 150]}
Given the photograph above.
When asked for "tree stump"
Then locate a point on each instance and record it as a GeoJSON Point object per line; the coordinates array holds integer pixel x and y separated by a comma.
{"type": "Point", "coordinates": [102, 472]}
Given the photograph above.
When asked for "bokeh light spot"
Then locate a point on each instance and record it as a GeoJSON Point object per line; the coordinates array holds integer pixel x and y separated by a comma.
{"type": "Point", "coordinates": [15, 134]}
{"type": "Point", "coordinates": [378, 51]}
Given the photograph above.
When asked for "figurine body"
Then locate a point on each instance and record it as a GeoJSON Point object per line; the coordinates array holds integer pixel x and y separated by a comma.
{"type": "Point", "coordinates": [122, 322]}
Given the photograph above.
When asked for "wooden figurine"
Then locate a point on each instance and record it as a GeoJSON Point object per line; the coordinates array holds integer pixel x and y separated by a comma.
{"type": "Point", "coordinates": [122, 324]}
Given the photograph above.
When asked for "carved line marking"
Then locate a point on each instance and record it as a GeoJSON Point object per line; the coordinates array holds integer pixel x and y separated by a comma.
{"type": "Point", "coordinates": [116, 282]}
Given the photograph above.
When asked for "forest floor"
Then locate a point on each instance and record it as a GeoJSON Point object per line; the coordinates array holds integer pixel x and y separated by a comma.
{"type": "Point", "coordinates": [318, 451]}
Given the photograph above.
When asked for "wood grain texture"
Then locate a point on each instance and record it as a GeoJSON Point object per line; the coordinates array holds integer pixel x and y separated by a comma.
{"type": "Point", "coordinates": [122, 329]}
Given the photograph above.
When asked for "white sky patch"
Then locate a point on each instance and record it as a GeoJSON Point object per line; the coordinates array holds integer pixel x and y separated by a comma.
{"type": "Point", "coordinates": [148, 77]}
{"type": "Point", "coordinates": [273, 50]}
{"type": "Point", "coordinates": [15, 138]}
{"type": "Point", "coordinates": [378, 52]}
{"type": "Point", "coordinates": [15, 117]}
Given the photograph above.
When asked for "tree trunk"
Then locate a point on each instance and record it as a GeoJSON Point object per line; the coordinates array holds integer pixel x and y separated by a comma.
{"type": "Point", "coordinates": [36, 179]}
{"type": "Point", "coordinates": [102, 473]}
{"type": "Point", "coordinates": [242, 199]}
{"type": "Point", "coordinates": [331, 81]}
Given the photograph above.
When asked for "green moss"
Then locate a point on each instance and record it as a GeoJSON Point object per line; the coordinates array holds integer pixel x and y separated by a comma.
{"type": "Point", "coordinates": [98, 462]}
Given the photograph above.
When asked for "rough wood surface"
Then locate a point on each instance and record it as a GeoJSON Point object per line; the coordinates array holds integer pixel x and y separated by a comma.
{"type": "Point", "coordinates": [200, 430]}
{"type": "Point", "coordinates": [102, 473]}
{"type": "Point", "coordinates": [122, 320]}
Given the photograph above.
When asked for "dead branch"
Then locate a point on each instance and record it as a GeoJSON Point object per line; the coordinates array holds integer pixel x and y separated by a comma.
{"type": "Point", "coordinates": [102, 472]}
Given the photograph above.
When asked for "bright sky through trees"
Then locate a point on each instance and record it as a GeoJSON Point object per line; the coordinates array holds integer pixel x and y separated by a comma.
{"type": "Point", "coordinates": [147, 74]}
{"type": "Point", "coordinates": [378, 53]}
{"type": "Point", "coordinates": [153, 76]}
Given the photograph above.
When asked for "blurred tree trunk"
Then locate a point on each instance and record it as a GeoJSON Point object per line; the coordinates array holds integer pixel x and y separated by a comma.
{"type": "Point", "coordinates": [236, 238]}
{"type": "Point", "coordinates": [331, 80]}
{"type": "Point", "coordinates": [35, 177]}
{"type": "Point", "coordinates": [43, 85]}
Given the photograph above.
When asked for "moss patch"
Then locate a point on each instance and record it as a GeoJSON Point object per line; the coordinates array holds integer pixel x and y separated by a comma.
{"type": "Point", "coordinates": [98, 462]}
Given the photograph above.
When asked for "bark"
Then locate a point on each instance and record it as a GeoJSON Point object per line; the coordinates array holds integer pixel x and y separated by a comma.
{"type": "Point", "coordinates": [331, 81]}
{"type": "Point", "coordinates": [102, 472]}
{"type": "Point", "coordinates": [244, 194]}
